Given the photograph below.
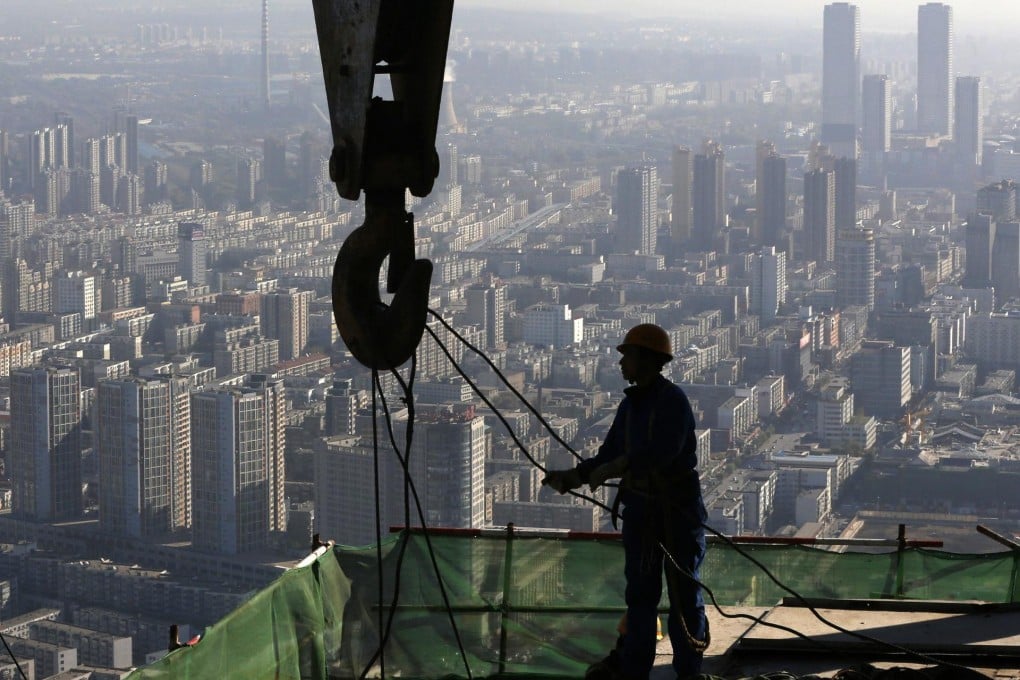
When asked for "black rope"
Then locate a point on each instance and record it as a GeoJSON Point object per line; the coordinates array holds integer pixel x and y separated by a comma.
{"type": "Point", "coordinates": [378, 539]}
{"type": "Point", "coordinates": [412, 491]}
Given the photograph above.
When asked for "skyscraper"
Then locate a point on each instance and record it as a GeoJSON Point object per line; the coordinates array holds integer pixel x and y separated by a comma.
{"type": "Point", "coordinates": [708, 196]}
{"type": "Point", "coordinates": [855, 267]}
{"type": "Point", "coordinates": [969, 130]}
{"type": "Point", "coordinates": [131, 144]}
{"type": "Point", "coordinates": [264, 91]}
{"type": "Point", "coordinates": [156, 179]}
{"type": "Point", "coordinates": [1006, 261]}
{"type": "Point", "coordinates": [846, 192]}
{"type": "Point", "coordinates": [5, 162]}
{"type": "Point", "coordinates": [768, 283]}
{"type": "Point", "coordinates": [979, 239]}
{"type": "Point", "coordinates": [191, 252]}
{"type": "Point", "coordinates": [876, 131]}
{"type": "Point", "coordinates": [284, 316]}
{"type": "Point", "coordinates": [141, 455]}
{"type": "Point", "coordinates": [238, 474]}
{"type": "Point", "coordinates": [637, 194]}
{"type": "Point", "coordinates": [249, 172]}
{"type": "Point", "coordinates": [78, 292]}
{"type": "Point", "coordinates": [763, 150]}
{"type": "Point", "coordinates": [999, 200]}
{"type": "Point", "coordinates": [819, 215]}
{"type": "Point", "coordinates": [680, 227]}
{"type": "Point", "coordinates": [44, 458]}
{"type": "Point", "coordinates": [772, 187]}
{"type": "Point", "coordinates": [487, 307]}
{"type": "Point", "coordinates": [935, 68]}
{"type": "Point", "coordinates": [67, 121]}
{"type": "Point", "coordinates": [841, 77]}
{"type": "Point", "coordinates": [881, 371]}
{"type": "Point", "coordinates": [447, 466]}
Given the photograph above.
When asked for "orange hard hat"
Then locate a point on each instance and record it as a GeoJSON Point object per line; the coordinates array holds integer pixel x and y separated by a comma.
{"type": "Point", "coordinates": [650, 337]}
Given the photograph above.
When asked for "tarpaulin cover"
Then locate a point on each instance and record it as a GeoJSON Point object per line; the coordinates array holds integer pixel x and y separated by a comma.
{"type": "Point", "coordinates": [530, 606]}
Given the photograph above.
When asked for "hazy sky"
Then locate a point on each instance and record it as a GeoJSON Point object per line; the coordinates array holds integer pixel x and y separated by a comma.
{"type": "Point", "coordinates": [876, 15]}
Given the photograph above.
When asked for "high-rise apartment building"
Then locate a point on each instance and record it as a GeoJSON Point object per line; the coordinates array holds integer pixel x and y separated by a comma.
{"type": "Point", "coordinates": [841, 77]}
{"type": "Point", "coordinates": [876, 125]}
{"type": "Point", "coordinates": [855, 267]}
{"type": "Point", "coordinates": [5, 162]}
{"type": "Point", "coordinates": [447, 467]}
{"type": "Point", "coordinates": [772, 188]}
{"type": "Point", "coordinates": [845, 175]}
{"type": "Point", "coordinates": [156, 182]}
{"type": "Point", "coordinates": [881, 370]}
{"type": "Point", "coordinates": [191, 252]}
{"type": "Point", "coordinates": [144, 446]}
{"type": "Point", "coordinates": [487, 308]}
{"type": "Point", "coordinates": [237, 464]}
{"type": "Point", "coordinates": [763, 150]}
{"type": "Point", "coordinates": [969, 130]}
{"type": "Point", "coordinates": [249, 172]}
{"type": "Point", "coordinates": [637, 192]}
{"type": "Point", "coordinates": [65, 119]}
{"type": "Point", "coordinates": [708, 196]}
{"type": "Point", "coordinates": [680, 226]}
{"type": "Point", "coordinates": [44, 457]}
{"type": "Point", "coordinates": [131, 144]}
{"type": "Point", "coordinates": [78, 292]}
{"type": "Point", "coordinates": [284, 316]}
{"type": "Point", "coordinates": [935, 68]}
{"type": "Point", "coordinates": [768, 283]}
{"type": "Point", "coordinates": [819, 215]}
{"type": "Point", "coordinates": [999, 200]}
{"type": "Point", "coordinates": [1006, 261]}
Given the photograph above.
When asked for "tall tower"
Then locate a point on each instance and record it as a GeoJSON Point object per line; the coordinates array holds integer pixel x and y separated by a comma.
{"type": "Point", "coordinates": [935, 68]}
{"type": "Point", "coordinates": [487, 307]}
{"type": "Point", "coordinates": [5, 162]}
{"type": "Point", "coordinates": [708, 195]}
{"type": "Point", "coordinates": [238, 474]}
{"type": "Point", "coordinates": [763, 150]}
{"type": "Point", "coordinates": [768, 283]}
{"type": "Point", "coordinates": [131, 141]}
{"type": "Point", "coordinates": [45, 451]}
{"type": "Point", "coordinates": [191, 252]}
{"type": "Point", "coordinates": [264, 75]}
{"type": "Point", "coordinates": [284, 316]}
{"type": "Point", "coordinates": [969, 131]}
{"type": "Point", "coordinates": [249, 172]}
{"type": "Point", "coordinates": [855, 267]}
{"type": "Point", "coordinates": [819, 215]}
{"type": "Point", "coordinates": [841, 77]}
{"type": "Point", "coordinates": [877, 114]}
{"type": "Point", "coordinates": [141, 453]}
{"type": "Point", "coordinates": [637, 193]}
{"type": "Point", "coordinates": [772, 187]}
{"type": "Point", "coordinates": [846, 192]}
{"type": "Point", "coordinates": [680, 228]}
{"type": "Point", "coordinates": [67, 121]}
{"type": "Point", "coordinates": [979, 239]}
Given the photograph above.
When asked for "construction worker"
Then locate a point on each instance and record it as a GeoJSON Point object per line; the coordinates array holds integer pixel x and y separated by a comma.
{"type": "Point", "coordinates": [652, 446]}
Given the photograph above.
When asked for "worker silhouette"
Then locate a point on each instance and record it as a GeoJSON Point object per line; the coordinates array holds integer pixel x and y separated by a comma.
{"type": "Point", "coordinates": [651, 445]}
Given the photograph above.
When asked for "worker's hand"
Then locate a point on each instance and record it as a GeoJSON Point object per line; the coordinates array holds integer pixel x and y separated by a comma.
{"type": "Point", "coordinates": [614, 468]}
{"type": "Point", "coordinates": [562, 481]}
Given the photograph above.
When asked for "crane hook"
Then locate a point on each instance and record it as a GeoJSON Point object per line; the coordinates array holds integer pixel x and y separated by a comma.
{"type": "Point", "coordinates": [380, 335]}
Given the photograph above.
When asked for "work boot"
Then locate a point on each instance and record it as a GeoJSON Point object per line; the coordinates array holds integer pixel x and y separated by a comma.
{"type": "Point", "coordinates": [606, 669]}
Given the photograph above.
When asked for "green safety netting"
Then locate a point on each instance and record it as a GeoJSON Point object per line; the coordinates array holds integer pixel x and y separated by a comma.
{"type": "Point", "coordinates": [535, 606]}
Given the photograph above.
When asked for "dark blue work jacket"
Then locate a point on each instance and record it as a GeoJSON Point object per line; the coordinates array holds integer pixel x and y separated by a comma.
{"type": "Point", "coordinates": [654, 429]}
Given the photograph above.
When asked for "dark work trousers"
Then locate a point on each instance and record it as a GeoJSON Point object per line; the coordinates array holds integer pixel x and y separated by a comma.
{"type": "Point", "coordinates": [644, 526]}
